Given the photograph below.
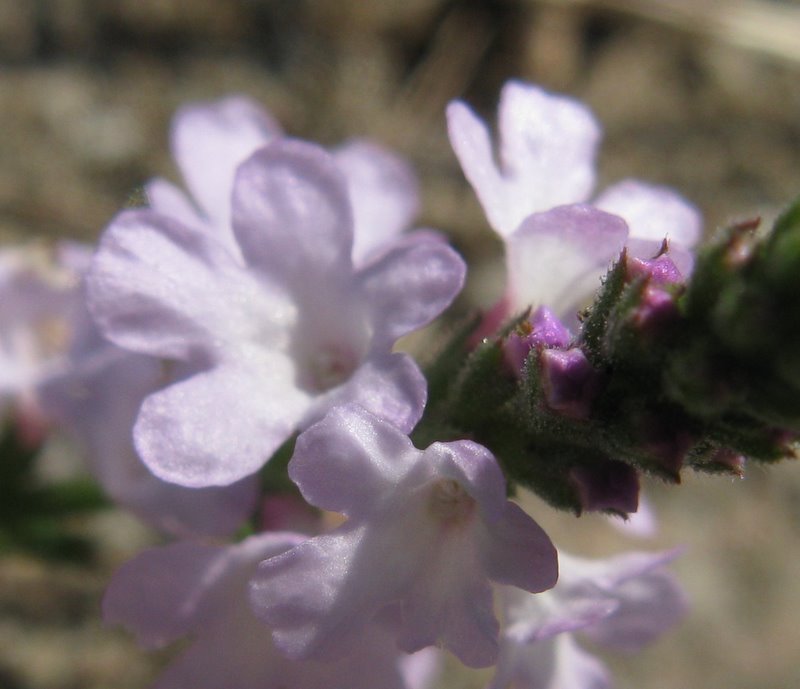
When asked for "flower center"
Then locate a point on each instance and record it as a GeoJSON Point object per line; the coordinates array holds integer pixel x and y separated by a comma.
{"type": "Point", "coordinates": [330, 367]}
{"type": "Point", "coordinates": [449, 502]}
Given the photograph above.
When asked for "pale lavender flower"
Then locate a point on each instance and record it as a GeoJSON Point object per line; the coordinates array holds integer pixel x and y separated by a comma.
{"type": "Point", "coordinates": [547, 146]}
{"type": "Point", "coordinates": [273, 336]}
{"type": "Point", "coordinates": [427, 531]}
{"type": "Point", "coordinates": [557, 253]}
{"type": "Point", "coordinates": [621, 603]}
{"type": "Point", "coordinates": [640, 524]}
{"type": "Point", "coordinates": [39, 297]}
{"type": "Point", "coordinates": [196, 590]}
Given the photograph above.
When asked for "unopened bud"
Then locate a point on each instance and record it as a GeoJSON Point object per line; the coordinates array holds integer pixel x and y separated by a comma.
{"type": "Point", "coordinates": [660, 270]}
{"type": "Point", "coordinates": [668, 447]}
{"type": "Point", "coordinates": [656, 311]}
{"type": "Point", "coordinates": [570, 382]}
{"type": "Point", "coordinates": [729, 461]}
{"type": "Point", "coordinates": [610, 486]}
{"type": "Point", "coordinates": [542, 330]}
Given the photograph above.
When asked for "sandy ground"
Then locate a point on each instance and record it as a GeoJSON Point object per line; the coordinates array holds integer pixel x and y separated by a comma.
{"type": "Point", "coordinates": [688, 97]}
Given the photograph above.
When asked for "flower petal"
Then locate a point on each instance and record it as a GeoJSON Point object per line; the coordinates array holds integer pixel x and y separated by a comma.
{"type": "Point", "coordinates": [320, 595]}
{"type": "Point", "coordinates": [556, 663]}
{"type": "Point", "coordinates": [292, 215]}
{"type": "Point", "coordinates": [160, 288]}
{"type": "Point", "coordinates": [167, 592]}
{"type": "Point", "coordinates": [158, 595]}
{"type": "Point", "coordinates": [219, 425]}
{"type": "Point", "coordinates": [472, 145]}
{"type": "Point", "coordinates": [210, 140]}
{"type": "Point", "coordinates": [167, 199]}
{"type": "Point", "coordinates": [98, 399]}
{"type": "Point", "coordinates": [652, 213]}
{"type": "Point", "coordinates": [383, 193]}
{"type": "Point", "coordinates": [349, 442]}
{"type": "Point", "coordinates": [650, 601]}
{"type": "Point", "coordinates": [411, 285]}
{"type": "Point", "coordinates": [390, 386]}
{"type": "Point", "coordinates": [557, 258]}
{"type": "Point", "coordinates": [450, 606]}
{"type": "Point", "coordinates": [547, 148]}
{"type": "Point", "coordinates": [517, 551]}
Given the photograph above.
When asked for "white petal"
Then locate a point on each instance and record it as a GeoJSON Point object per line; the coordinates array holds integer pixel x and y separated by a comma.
{"type": "Point", "coordinates": [556, 258]}
{"type": "Point", "coordinates": [210, 140]}
{"type": "Point", "coordinates": [547, 149]}
{"type": "Point", "coordinates": [652, 214]}
{"type": "Point", "coordinates": [383, 192]}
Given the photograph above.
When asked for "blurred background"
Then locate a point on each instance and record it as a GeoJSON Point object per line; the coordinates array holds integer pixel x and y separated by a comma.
{"type": "Point", "coordinates": [702, 95]}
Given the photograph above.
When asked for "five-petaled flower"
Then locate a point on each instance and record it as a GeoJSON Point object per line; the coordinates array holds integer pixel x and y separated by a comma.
{"type": "Point", "coordinates": [535, 197]}
{"type": "Point", "coordinates": [272, 335]}
{"type": "Point", "coordinates": [427, 531]}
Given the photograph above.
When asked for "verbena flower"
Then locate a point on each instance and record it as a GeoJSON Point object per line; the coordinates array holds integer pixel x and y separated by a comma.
{"type": "Point", "coordinates": [426, 533]}
{"type": "Point", "coordinates": [274, 336]}
{"type": "Point", "coordinates": [546, 160]}
{"type": "Point", "coordinates": [621, 603]}
{"type": "Point", "coordinates": [200, 591]}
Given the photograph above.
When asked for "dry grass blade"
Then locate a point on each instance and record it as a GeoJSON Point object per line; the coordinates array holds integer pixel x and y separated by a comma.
{"type": "Point", "coordinates": [759, 25]}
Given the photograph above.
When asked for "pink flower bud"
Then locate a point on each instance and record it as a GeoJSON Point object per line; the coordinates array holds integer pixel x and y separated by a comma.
{"type": "Point", "coordinates": [542, 330]}
{"type": "Point", "coordinates": [661, 270]}
{"type": "Point", "coordinates": [656, 311]}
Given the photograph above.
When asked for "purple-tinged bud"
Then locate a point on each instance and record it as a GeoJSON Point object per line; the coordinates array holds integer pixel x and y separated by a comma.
{"type": "Point", "coordinates": [786, 442]}
{"type": "Point", "coordinates": [656, 311]}
{"type": "Point", "coordinates": [611, 486]}
{"type": "Point", "coordinates": [542, 330]}
{"type": "Point", "coordinates": [668, 446]}
{"type": "Point", "coordinates": [729, 461]}
{"type": "Point", "coordinates": [661, 270]}
{"type": "Point", "coordinates": [570, 381]}
{"type": "Point", "coordinates": [548, 330]}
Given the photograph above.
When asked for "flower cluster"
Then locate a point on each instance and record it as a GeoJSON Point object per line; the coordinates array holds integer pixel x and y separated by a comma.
{"type": "Point", "coordinates": [250, 319]}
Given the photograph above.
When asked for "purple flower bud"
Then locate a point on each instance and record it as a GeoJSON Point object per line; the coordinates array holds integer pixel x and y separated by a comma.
{"type": "Point", "coordinates": [661, 270]}
{"type": "Point", "coordinates": [548, 329]}
{"type": "Point", "coordinates": [656, 311]}
{"type": "Point", "coordinates": [570, 382]}
{"type": "Point", "coordinates": [667, 446]}
{"type": "Point", "coordinates": [610, 485]}
{"type": "Point", "coordinates": [542, 330]}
